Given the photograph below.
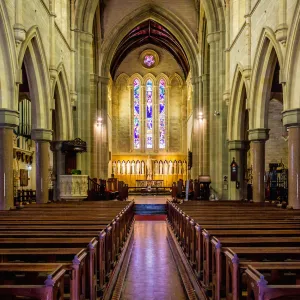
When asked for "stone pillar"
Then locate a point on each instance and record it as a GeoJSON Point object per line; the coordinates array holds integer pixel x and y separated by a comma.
{"type": "Point", "coordinates": [103, 149]}
{"type": "Point", "coordinates": [197, 126]}
{"type": "Point", "coordinates": [42, 138]}
{"type": "Point", "coordinates": [205, 124]}
{"type": "Point", "coordinates": [59, 164]}
{"type": "Point", "coordinates": [291, 119]}
{"type": "Point", "coordinates": [258, 139]}
{"type": "Point", "coordinates": [237, 151]}
{"type": "Point", "coordinates": [8, 120]}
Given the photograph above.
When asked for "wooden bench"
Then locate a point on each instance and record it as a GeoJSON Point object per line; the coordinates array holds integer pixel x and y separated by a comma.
{"type": "Point", "coordinates": [259, 288]}
{"type": "Point", "coordinates": [238, 259]}
{"type": "Point", "coordinates": [49, 285]}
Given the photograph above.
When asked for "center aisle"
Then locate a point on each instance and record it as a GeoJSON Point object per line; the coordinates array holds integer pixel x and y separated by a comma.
{"type": "Point", "coordinates": [152, 273]}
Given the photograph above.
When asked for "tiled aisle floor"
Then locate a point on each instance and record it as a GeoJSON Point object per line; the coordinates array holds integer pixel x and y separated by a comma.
{"type": "Point", "coordinates": [152, 273]}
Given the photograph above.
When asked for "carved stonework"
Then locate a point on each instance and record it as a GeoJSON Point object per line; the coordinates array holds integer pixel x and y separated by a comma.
{"type": "Point", "coordinates": [73, 187]}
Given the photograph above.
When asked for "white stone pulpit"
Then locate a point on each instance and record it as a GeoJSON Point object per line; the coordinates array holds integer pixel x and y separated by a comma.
{"type": "Point", "coordinates": [73, 187]}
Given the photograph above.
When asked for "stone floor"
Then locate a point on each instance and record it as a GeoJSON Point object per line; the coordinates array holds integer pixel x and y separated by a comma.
{"type": "Point", "coordinates": [149, 199]}
{"type": "Point", "coordinates": [152, 273]}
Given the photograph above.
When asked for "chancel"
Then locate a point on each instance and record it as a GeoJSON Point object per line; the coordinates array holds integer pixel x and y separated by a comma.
{"type": "Point", "coordinates": [149, 149]}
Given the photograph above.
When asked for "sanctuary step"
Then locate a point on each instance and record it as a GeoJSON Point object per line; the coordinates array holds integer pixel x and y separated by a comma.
{"type": "Point", "coordinates": [150, 209]}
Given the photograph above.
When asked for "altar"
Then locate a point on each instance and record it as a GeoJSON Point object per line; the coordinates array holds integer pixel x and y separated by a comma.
{"type": "Point", "coordinates": [149, 183]}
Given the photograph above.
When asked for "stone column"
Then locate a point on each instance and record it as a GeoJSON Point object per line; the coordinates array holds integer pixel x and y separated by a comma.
{"type": "Point", "coordinates": [291, 119]}
{"type": "Point", "coordinates": [42, 138]}
{"type": "Point", "coordinates": [103, 149]}
{"type": "Point", "coordinates": [205, 124]}
{"type": "Point", "coordinates": [8, 120]}
{"type": "Point", "coordinates": [237, 151]}
{"type": "Point", "coordinates": [258, 139]}
{"type": "Point", "coordinates": [59, 165]}
{"type": "Point", "coordinates": [197, 127]}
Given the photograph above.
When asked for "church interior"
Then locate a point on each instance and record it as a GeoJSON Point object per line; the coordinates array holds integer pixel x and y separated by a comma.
{"type": "Point", "coordinates": [149, 149]}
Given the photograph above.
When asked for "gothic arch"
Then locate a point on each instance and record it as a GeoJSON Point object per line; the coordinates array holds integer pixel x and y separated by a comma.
{"type": "Point", "coordinates": [177, 77]}
{"type": "Point", "coordinates": [237, 105]}
{"type": "Point", "coordinates": [267, 54]}
{"type": "Point", "coordinates": [85, 11]}
{"type": "Point", "coordinates": [33, 55]}
{"type": "Point", "coordinates": [167, 19]}
{"type": "Point", "coordinates": [151, 77]}
{"type": "Point", "coordinates": [8, 62]}
{"type": "Point", "coordinates": [64, 103]}
{"type": "Point", "coordinates": [292, 63]}
{"type": "Point", "coordinates": [126, 78]}
{"type": "Point", "coordinates": [164, 77]}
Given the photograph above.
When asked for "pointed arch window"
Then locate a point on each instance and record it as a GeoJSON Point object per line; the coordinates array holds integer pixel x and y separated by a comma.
{"type": "Point", "coordinates": [162, 114]}
{"type": "Point", "coordinates": [137, 115]}
{"type": "Point", "coordinates": [149, 114]}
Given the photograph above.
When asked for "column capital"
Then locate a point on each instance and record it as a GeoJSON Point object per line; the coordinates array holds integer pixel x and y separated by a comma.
{"type": "Point", "coordinates": [237, 145]}
{"type": "Point", "coordinates": [103, 79]}
{"type": "Point", "coordinates": [258, 134]}
{"type": "Point", "coordinates": [9, 118]}
{"type": "Point", "coordinates": [291, 117]}
{"type": "Point", "coordinates": [196, 80]}
{"type": "Point", "coordinates": [41, 134]}
{"type": "Point", "coordinates": [213, 37]}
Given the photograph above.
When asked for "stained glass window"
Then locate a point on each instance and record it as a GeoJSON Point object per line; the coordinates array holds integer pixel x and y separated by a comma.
{"type": "Point", "coordinates": [137, 116]}
{"type": "Point", "coordinates": [149, 60]}
{"type": "Point", "coordinates": [162, 114]}
{"type": "Point", "coordinates": [149, 114]}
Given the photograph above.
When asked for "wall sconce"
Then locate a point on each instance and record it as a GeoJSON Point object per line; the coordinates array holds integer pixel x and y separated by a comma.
{"type": "Point", "coordinates": [99, 121]}
{"type": "Point", "coordinates": [216, 113]}
{"type": "Point", "coordinates": [201, 115]}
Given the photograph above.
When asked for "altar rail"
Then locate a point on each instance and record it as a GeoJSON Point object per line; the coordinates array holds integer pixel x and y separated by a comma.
{"type": "Point", "coordinates": [162, 190]}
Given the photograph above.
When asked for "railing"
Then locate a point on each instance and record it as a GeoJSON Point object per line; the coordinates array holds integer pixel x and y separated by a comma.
{"type": "Point", "coordinates": [151, 190]}
{"type": "Point", "coordinates": [25, 197]}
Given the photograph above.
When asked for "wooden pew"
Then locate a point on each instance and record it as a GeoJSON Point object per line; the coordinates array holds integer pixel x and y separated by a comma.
{"type": "Point", "coordinates": [72, 242]}
{"type": "Point", "coordinates": [258, 288]}
{"type": "Point", "coordinates": [74, 260]}
{"type": "Point", "coordinates": [218, 244]}
{"type": "Point", "coordinates": [238, 259]}
{"type": "Point", "coordinates": [51, 287]}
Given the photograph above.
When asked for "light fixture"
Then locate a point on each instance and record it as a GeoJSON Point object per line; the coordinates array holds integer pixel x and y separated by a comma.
{"type": "Point", "coordinates": [99, 121]}
{"type": "Point", "coordinates": [29, 167]}
{"type": "Point", "coordinates": [216, 113]}
{"type": "Point", "coordinates": [201, 115]}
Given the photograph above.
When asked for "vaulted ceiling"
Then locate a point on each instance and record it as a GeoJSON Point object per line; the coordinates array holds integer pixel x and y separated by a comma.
{"type": "Point", "coordinates": [150, 32]}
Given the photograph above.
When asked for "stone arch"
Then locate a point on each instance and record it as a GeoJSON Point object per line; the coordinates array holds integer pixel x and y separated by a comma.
{"type": "Point", "coordinates": [164, 77]}
{"type": "Point", "coordinates": [267, 54]}
{"type": "Point", "coordinates": [167, 19]}
{"type": "Point", "coordinates": [125, 77]}
{"type": "Point", "coordinates": [178, 78]}
{"type": "Point", "coordinates": [85, 11]}
{"type": "Point", "coordinates": [237, 105]}
{"type": "Point", "coordinates": [151, 77]}
{"type": "Point", "coordinates": [64, 103]}
{"type": "Point", "coordinates": [292, 63]}
{"type": "Point", "coordinates": [33, 55]}
{"type": "Point", "coordinates": [8, 62]}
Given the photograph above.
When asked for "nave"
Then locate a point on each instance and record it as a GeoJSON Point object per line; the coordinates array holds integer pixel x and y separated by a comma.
{"type": "Point", "coordinates": [208, 250]}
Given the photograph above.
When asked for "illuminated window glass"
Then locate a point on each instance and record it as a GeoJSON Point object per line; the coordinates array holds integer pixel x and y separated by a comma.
{"type": "Point", "coordinates": [136, 115]}
{"type": "Point", "coordinates": [162, 114]}
{"type": "Point", "coordinates": [149, 60]}
{"type": "Point", "coordinates": [149, 114]}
